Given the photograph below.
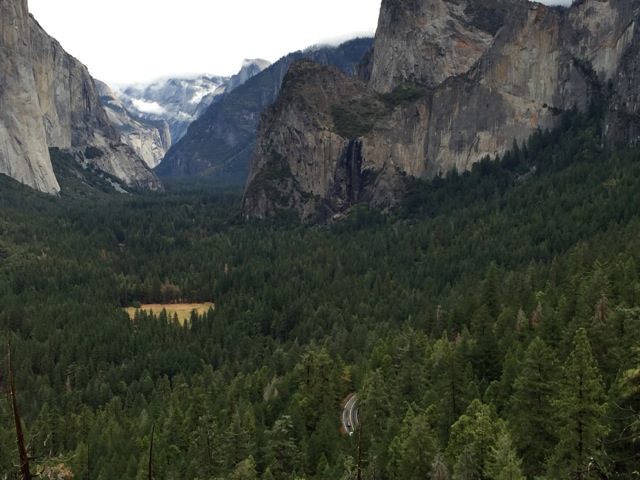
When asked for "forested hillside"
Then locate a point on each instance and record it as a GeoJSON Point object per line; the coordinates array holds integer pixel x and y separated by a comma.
{"type": "Point", "coordinates": [490, 326]}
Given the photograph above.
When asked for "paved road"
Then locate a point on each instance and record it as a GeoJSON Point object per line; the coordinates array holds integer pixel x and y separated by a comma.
{"type": "Point", "coordinates": [350, 415]}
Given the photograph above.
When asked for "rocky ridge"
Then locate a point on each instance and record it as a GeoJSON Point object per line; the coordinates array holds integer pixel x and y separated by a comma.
{"type": "Point", "coordinates": [48, 99]}
{"type": "Point", "coordinates": [180, 101]}
{"type": "Point", "coordinates": [150, 139]}
{"type": "Point", "coordinates": [458, 84]}
{"type": "Point", "coordinates": [220, 143]}
{"type": "Point", "coordinates": [177, 101]}
{"type": "Point", "coordinates": [250, 67]}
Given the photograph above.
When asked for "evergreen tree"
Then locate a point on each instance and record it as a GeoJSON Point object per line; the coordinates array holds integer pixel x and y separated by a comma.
{"type": "Point", "coordinates": [439, 470]}
{"type": "Point", "coordinates": [375, 407]}
{"type": "Point", "coordinates": [448, 389]}
{"type": "Point", "coordinates": [580, 408]}
{"type": "Point", "coordinates": [472, 437]}
{"type": "Point", "coordinates": [245, 470]}
{"type": "Point", "coordinates": [531, 414]}
{"type": "Point", "coordinates": [412, 452]}
{"type": "Point", "coordinates": [623, 408]}
{"type": "Point", "coordinates": [282, 451]}
{"type": "Point", "coordinates": [503, 462]}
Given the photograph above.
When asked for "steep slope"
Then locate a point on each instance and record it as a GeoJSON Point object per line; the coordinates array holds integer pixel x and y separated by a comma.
{"type": "Point", "coordinates": [150, 139]}
{"type": "Point", "coordinates": [220, 143]}
{"type": "Point", "coordinates": [48, 100]}
{"type": "Point", "coordinates": [23, 139]}
{"type": "Point", "coordinates": [427, 42]}
{"type": "Point", "coordinates": [440, 116]}
{"type": "Point", "coordinates": [297, 133]}
{"type": "Point", "coordinates": [250, 67]}
{"type": "Point", "coordinates": [178, 101]}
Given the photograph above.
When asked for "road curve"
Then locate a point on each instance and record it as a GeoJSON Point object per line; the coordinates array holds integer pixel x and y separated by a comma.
{"type": "Point", "coordinates": [350, 415]}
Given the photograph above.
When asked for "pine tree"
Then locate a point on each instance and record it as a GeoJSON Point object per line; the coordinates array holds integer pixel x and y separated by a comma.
{"type": "Point", "coordinates": [491, 291]}
{"type": "Point", "coordinates": [532, 413]}
{"type": "Point", "coordinates": [419, 448]}
{"type": "Point", "coordinates": [282, 450]}
{"type": "Point", "coordinates": [412, 452]}
{"type": "Point", "coordinates": [439, 470]}
{"type": "Point", "coordinates": [245, 470]}
{"type": "Point", "coordinates": [580, 409]}
{"type": "Point", "coordinates": [375, 402]}
{"type": "Point", "coordinates": [448, 390]}
{"type": "Point", "coordinates": [503, 462]}
{"type": "Point", "coordinates": [472, 437]}
{"type": "Point", "coordinates": [623, 410]}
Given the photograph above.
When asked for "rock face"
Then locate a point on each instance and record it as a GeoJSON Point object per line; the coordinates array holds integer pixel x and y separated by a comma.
{"type": "Point", "coordinates": [250, 67]}
{"type": "Point", "coordinates": [293, 141]}
{"type": "Point", "coordinates": [220, 143]}
{"type": "Point", "coordinates": [428, 41]}
{"type": "Point", "coordinates": [458, 81]}
{"type": "Point", "coordinates": [24, 155]}
{"type": "Point", "coordinates": [48, 99]}
{"type": "Point", "coordinates": [150, 139]}
{"type": "Point", "coordinates": [177, 101]}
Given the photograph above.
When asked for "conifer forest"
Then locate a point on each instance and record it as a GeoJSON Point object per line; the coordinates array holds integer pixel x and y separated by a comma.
{"type": "Point", "coordinates": [489, 326]}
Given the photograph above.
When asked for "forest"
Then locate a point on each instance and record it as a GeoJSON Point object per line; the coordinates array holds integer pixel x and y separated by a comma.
{"type": "Point", "coordinates": [490, 325]}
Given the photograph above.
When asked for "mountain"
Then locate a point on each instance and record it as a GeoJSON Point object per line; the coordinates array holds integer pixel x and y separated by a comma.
{"type": "Point", "coordinates": [150, 139]}
{"type": "Point", "coordinates": [219, 144]}
{"type": "Point", "coordinates": [448, 83]}
{"type": "Point", "coordinates": [180, 101]}
{"type": "Point", "coordinates": [249, 69]}
{"type": "Point", "coordinates": [48, 99]}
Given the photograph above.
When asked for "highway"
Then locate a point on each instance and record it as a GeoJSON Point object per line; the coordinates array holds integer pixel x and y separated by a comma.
{"type": "Point", "coordinates": [350, 415]}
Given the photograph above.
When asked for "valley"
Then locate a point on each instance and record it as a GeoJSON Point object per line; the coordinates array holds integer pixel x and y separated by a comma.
{"type": "Point", "coordinates": [436, 313]}
{"type": "Point", "coordinates": [412, 256]}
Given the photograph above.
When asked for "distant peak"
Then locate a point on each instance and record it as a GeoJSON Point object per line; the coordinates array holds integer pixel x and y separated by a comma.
{"type": "Point", "coordinates": [260, 62]}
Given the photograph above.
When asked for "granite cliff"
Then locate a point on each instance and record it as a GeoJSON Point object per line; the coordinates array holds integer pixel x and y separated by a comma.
{"type": "Point", "coordinates": [447, 83]}
{"type": "Point", "coordinates": [177, 101]}
{"type": "Point", "coordinates": [48, 99]}
{"type": "Point", "coordinates": [150, 139]}
{"type": "Point", "coordinates": [219, 144]}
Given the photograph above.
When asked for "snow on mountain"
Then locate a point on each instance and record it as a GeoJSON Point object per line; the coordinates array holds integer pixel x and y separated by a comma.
{"type": "Point", "coordinates": [175, 100]}
{"type": "Point", "coordinates": [150, 139]}
{"type": "Point", "coordinates": [180, 100]}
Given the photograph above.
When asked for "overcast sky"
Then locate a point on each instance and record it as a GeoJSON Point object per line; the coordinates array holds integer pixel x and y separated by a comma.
{"type": "Point", "coordinates": [128, 41]}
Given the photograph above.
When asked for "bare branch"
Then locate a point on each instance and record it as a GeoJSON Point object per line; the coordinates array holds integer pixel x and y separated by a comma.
{"type": "Point", "coordinates": [25, 472]}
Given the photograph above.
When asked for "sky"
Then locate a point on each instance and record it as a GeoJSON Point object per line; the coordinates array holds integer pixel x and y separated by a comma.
{"type": "Point", "coordinates": [128, 41]}
{"type": "Point", "coordinates": [135, 41]}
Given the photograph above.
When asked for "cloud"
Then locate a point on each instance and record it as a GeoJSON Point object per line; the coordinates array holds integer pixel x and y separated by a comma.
{"type": "Point", "coordinates": [147, 107]}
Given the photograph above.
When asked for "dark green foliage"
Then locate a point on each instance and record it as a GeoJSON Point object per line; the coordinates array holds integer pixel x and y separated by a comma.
{"type": "Point", "coordinates": [579, 407]}
{"type": "Point", "coordinates": [356, 118]}
{"type": "Point", "coordinates": [532, 415]}
{"type": "Point", "coordinates": [404, 95]}
{"type": "Point", "coordinates": [446, 316]}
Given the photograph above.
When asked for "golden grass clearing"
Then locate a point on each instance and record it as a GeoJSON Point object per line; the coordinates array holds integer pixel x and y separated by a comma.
{"type": "Point", "coordinates": [183, 310]}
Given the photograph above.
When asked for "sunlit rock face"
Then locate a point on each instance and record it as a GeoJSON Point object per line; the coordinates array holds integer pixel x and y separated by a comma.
{"type": "Point", "coordinates": [478, 81]}
{"type": "Point", "coordinates": [150, 139]}
{"type": "Point", "coordinates": [48, 99]}
{"type": "Point", "coordinates": [24, 154]}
